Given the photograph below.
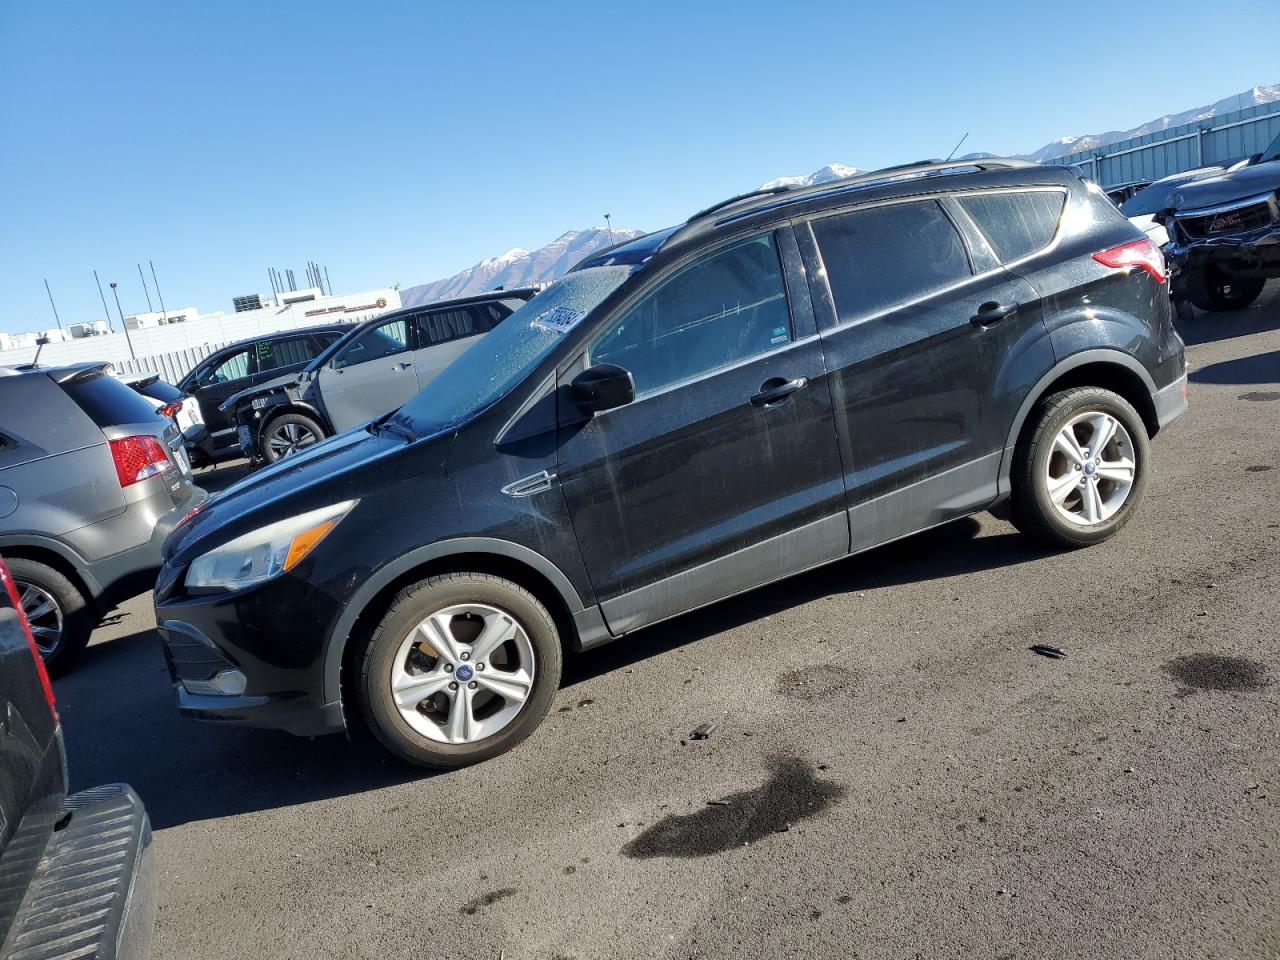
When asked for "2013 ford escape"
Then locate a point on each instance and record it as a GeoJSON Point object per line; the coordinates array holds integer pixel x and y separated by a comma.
{"type": "Point", "coordinates": [787, 378]}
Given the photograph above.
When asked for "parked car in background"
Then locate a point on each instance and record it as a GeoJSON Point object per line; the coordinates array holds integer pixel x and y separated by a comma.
{"type": "Point", "coordinates": [92, 479]}
{"type": "Point", "coordinates": [1120, 192]}
{"type": "Point", "coordinates": [374, 369]}
{"type": "Point", "coordinates": [170, 402]}
{"type": "Point", "coordinates": [787, 378]}
{"type": "Point", "coordinates": [78, 872]}
{"type": "Point", "coordinates": [244, 364]}
{"type": "Point", "coordinates": [1145, 207]}
{"type": "Point", "coordinates": [1224, 233]}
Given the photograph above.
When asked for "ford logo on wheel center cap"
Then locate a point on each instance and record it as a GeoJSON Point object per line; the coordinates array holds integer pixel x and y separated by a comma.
{"type": "Point", "coordinates": [1089, 469]}
{"type": "Point", "coordinates": [464, 673]}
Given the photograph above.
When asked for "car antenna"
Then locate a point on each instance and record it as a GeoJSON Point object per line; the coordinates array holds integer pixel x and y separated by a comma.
{"type": "Point", "coordinates": [40, 342]}
{"type": "Point", "coordinates": [957, 146]}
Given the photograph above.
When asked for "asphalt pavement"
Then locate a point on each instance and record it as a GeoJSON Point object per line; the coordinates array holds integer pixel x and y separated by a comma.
{"type": "Point", "coordinates": [893, 772]}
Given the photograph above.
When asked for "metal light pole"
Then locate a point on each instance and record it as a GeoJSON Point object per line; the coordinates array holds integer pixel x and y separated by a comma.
{"type": "Point", "coordinates": [52, 304]}
{"type": "Point", "coordinates": [608, 225]}
{"type": "Point", "coordinates": [116, 293]}
{"type": "Point", "coordinates": [110, 326]}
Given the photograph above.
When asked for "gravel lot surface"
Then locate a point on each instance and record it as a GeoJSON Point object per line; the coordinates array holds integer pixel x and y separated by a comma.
{"type": "Point", "coordinates": [892, 773]}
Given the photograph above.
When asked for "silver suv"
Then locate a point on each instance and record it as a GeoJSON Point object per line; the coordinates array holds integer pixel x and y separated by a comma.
{"type": "Point", "coordinates": [92, 479]}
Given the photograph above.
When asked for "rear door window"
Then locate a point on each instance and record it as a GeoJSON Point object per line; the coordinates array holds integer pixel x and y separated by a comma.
{"type": "Point", "coordinates": [1016, 224]}
{"type": "Point", "coordinates": [880, 257]}
{"type": "Point", "coordinates": [284, 352]}
{"type": "Point", "coordinates": [441, 326]}
{"type": "Point", "coordinates": [107, 401]}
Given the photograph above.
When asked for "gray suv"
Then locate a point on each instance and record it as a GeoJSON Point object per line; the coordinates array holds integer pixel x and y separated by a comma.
{"type": "Point", "coordinates": [92, 479]}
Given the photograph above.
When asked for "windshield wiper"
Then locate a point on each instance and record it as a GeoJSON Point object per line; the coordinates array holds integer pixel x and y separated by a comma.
{"type": "Point", "coordinates": [385, 423]}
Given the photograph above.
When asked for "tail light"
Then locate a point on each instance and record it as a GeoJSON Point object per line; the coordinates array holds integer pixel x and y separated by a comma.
{"type": "Point", "coordinates": [1137, 253]}
{"type": "Point", "coordinates": [6, 583]}
{"type": "Point", "coordinates": [171, 409]}
{"type": "Point", "coordinates": [137, 458]}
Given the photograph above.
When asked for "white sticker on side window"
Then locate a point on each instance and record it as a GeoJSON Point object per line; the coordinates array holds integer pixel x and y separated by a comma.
{"type": "Point", "coordinates": [557, 320]}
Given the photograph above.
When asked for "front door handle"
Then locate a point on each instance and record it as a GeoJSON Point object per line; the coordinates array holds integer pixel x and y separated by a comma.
{"type": "Point", "coordinates": [992, 312]}
{"type": "Point", "coordinates": [776, 389]}
{"type": "Point", "coordinates": [403, 366]}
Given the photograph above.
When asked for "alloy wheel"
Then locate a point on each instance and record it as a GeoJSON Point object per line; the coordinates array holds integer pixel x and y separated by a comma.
{"type": "Point", "coordinates": [1091, 468]}
{"type": "Point", "coordinates": [43, 614]}
{"type": "Point", "coordinates": [463, 673]}
{"type": "Point", "coordinates": [288, 438]}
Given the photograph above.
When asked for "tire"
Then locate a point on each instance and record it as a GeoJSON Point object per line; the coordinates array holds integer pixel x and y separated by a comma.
{"type": "Point", "coordinates": [38, 586]}
{"type": "Point", "coordinates": [1079, 518]}
{"type": "Point", "coordinates": [1214, 291]}
{"type": "Point", "coordinates": [287, 434]}
{"type": "Point", "coordinates": [432, 732]}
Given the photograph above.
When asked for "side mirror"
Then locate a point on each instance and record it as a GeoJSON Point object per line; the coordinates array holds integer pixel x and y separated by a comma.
{"type": "Point", "coordinates": [603, 387]}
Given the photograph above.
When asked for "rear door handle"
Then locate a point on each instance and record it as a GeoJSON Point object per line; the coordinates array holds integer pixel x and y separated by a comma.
{"type": "Point", "coordinates": [771, 391]}
{"type": "Point", "coordinates": [403, 366]}
{"type": "Point", "coordinates": [992, 312]}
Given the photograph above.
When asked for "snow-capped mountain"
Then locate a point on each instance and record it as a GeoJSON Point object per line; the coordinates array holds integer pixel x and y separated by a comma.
{"type": "Point", "coordinates": [518, 267]}
{"type": "Point", "coordinates": [1064, 145]}
{"type": "Point", "coordinates": [832, 171]}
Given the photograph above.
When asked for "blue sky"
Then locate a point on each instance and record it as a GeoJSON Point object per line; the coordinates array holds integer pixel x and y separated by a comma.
{"type": "Point", "coordinates": [403, 142]}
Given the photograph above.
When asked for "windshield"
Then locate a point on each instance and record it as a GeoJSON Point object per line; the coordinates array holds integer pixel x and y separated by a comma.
{"type": "Point", "coordinates": [1272, 152]}
{"type": "Point", "coordinates": [503, 357]}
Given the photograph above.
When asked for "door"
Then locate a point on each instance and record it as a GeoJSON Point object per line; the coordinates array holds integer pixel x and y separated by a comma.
{"type": "Point", "coordinates": [915, 327]}
{"type": "Point", "coordinates": [215, 383]}
{"type": "Point", "coordinates": [370, 376]}
{"type": "Point", "coordinates": [723, 473]}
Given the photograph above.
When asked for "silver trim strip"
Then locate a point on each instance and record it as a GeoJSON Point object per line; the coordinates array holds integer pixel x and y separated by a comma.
{"type": "Point", "coordinates": [1226, 207]}
{"type": "Point", "coordinates": [527, 486]}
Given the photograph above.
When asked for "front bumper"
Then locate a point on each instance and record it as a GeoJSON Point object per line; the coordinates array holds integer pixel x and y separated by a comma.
{"type": "Point", "coordinates": [1171, 402]}
{"type": "Point", "coordinates": [1255, 253]}
{"type": "Point", "coordinates": [93, 893]}
{"type": "Point", "coordinates": [263, 646]}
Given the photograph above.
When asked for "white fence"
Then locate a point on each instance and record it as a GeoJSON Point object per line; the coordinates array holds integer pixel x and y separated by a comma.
{"type": "Point", "coordinates": [174, 349]}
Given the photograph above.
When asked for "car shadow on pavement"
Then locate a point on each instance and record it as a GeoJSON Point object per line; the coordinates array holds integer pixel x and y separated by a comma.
{"type": "Point", "coordinates": [121, 724]}
{"type": "Point", "coordinates": [120, 721]}
{"type": "Point", "coordinates": [950, 550]}
{"type": "Point", "coordinates": [1259, 317]}
{"type": "Point", "coordinates": [216, 479]}
{"type": "Point", "coordinates": [1259, 368]}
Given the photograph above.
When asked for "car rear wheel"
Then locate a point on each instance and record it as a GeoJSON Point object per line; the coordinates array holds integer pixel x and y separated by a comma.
{"type": "Point", "coordinates": [60, 618]}
{"type": "Point", "coordinates": [1081, 470]}
{"type": "Point", "coordinates": [288, 434]}
{"type": "Point", "coordinates": [462, 667]}
{"type": "Point", "coordinates": [1212, 290]}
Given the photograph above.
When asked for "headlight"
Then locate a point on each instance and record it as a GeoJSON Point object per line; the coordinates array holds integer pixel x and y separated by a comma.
{"type": "Point", "coordinates": [264, 553]}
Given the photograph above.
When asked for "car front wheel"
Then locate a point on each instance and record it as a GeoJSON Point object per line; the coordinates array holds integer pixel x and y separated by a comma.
{"type": "Point", "coordinates": [1081, 470]}
{"type": "Point", "coordinates": [288, 434]}
{"type": "Point", "coordinates": [1212, 290]}
{"type": "Point", "coordinates": [462, 667]}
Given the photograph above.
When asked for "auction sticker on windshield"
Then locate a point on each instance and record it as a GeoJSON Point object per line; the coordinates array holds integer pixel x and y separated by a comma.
{"type": "Point", "coordinates": [557, 320]}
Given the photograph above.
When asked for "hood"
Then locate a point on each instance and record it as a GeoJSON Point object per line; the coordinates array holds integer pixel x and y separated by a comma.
{"type": "Point", "coordinates": [348, 466]}
{"type": "Point", "coordinates": [289, 379]}
{"type": "Point", "coordinates": [1245, 182]}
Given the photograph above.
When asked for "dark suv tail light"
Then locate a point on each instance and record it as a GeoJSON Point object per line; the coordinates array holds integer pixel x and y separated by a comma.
{"type": "Point", "coordinates": [137, 458]}
{"type": "Point", "coordinates": [171, 409]}
{"type": "Point", "coordinates": [7, 584]}
{"type": "Point", "coordinates": [1137, 253]}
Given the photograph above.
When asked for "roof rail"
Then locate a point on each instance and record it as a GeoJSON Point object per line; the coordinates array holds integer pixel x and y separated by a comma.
{"type": "Point", "coordinates": [762, 192]}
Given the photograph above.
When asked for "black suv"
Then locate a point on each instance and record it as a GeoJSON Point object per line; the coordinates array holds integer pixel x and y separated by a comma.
{"type": "Point", "coordinates": [787, 378]}
{"type": "Point", "coordinates": [243, 364]}
{"type": "Point", "coordinates": [77, 876]}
